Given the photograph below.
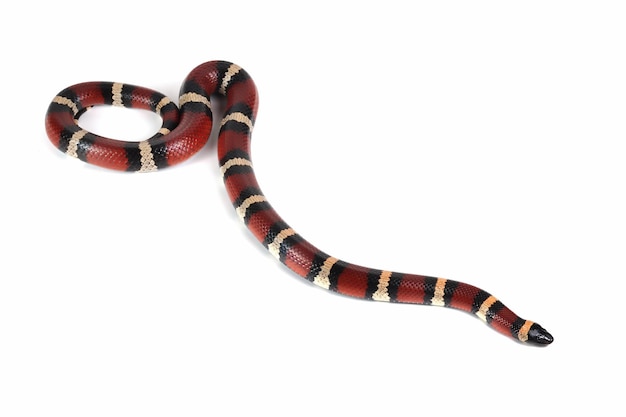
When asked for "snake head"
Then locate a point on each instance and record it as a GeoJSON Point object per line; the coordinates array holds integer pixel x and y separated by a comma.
{"type": "Point", "coordinates": [537, 335]}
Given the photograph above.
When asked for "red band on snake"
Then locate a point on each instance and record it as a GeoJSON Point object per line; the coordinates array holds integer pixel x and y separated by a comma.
{"type": "Point", "coordinates": [186, 131]}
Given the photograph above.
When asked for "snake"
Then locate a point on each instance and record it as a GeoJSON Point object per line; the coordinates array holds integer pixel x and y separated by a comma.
{"type": "Point", "coordinates": [186, 128]}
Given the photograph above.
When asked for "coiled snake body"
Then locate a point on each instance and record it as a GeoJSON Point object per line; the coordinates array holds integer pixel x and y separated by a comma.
{"type": "Point", "coordinates": [186, 131]}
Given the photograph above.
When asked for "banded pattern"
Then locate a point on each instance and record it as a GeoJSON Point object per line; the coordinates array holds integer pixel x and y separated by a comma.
{"type": "Point", "coordinates": [67, 135]}
{"type": "Point", "coordinates": [185, 132]}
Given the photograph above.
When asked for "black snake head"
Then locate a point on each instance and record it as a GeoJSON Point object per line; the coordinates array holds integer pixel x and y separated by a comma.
{"type": "Point", "coordinates": [537, 335]}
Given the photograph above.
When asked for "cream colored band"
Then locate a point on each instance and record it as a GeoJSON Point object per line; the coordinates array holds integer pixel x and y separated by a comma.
{"type": "Point", "coordinates": [116, 92]}
{"type": "Point", "coordinates": [147, 159]}
{"type": "Point", "coordinates": [234, 162]}
{"type": "Point", "coordinates": [72, 146]}
{"type": "Point", "coordinates": [193, 98]}
{"type": "Point", "coordinates": [238, 117]}
{"type": "Point", "coordinates": [382, 291]}
{"type": "Point", "coordinates": [232, 70]}
{"type": "Point", "coordinates": [241, 210]}
{"type": "Point", "coordinates": [274, 247]}
{"type": "Point", "coordinates": [66, 102]}
{"type": "Point", "coordinates": [322, 279]}
{"type": "Point", "coordinates": [440, 287]}
{"type": "Point", "coordinates": [484, 307]}
{"type": "Point", "coordinates": [523, 332]}
{"type": "Point", "coordinates": [164, 102]}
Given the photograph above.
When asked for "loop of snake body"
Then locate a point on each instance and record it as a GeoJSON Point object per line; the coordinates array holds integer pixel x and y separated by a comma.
{"type": "Point", "coordinates": [185, 131]}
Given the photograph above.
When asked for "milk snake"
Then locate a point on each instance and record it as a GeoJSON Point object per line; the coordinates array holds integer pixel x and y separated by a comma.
{"type": "Point", "coordinates": [185, 131]}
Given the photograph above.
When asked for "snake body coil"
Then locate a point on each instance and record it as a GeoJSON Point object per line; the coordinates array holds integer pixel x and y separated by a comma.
{"type": "Point", "coordinates": [186, 131]}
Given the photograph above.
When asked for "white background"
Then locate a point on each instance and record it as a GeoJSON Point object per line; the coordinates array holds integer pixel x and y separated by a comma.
{"type": "Point", "coordinates": [480, 141]}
